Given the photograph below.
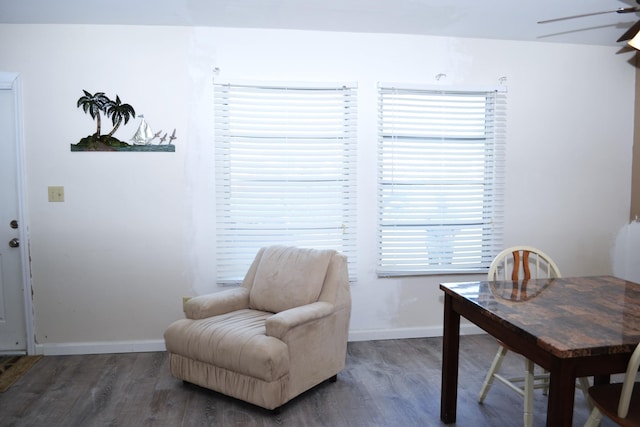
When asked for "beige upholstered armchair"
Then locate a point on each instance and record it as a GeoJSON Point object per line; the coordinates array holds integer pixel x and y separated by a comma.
{"type": "Point", "coordinates": [279, 334]}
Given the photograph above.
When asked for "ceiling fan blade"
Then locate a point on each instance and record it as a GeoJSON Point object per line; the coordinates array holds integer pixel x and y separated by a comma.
{"type": "Point", "coordinates": [619, 10]}
{"type": "Point", "coordinates": [630, 33]}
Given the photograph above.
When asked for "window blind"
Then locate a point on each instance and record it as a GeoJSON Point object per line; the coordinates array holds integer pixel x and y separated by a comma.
{"type": "Point", "coordinates": [440, 180]}
{"type": "Point", "coordinates": [285, 159]}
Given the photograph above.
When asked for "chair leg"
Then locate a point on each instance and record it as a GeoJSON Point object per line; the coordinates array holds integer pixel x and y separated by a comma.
{"type": "Point", "coordinates": [584, 386]}
{"type": "Point", "coordinates": [495, 365]}
{"type": "Point", "coordinates": [528, 393]}
{"type": "Point", "coordinates": [594, 419]}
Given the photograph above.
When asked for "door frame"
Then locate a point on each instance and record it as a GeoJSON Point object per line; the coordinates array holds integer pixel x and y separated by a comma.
{"type": "Point", "coordinates": [12, 81]}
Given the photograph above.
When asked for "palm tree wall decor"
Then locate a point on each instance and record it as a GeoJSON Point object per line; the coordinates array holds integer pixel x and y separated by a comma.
{"type": "Point", "coordinates": [119, 112]}
{"type": "Point", "coordinates": [99, 106]}
{"type": "Point", "coordinates": [94, 104]}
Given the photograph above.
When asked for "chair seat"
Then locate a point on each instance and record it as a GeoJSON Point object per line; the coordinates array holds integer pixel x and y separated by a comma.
{"type": "Point", "coordinates": [605, 397]}
{"type": "Point", "coordinates": [235, 341]}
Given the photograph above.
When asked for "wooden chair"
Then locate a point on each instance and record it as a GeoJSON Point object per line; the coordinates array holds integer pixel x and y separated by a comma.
{"type": "Point", "coordinates": [620, 401]}
{"type": "Point", "coordinates": [517, 264]}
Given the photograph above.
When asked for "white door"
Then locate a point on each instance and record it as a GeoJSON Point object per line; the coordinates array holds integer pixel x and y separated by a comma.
{"type": "Point", "coordinates": [13, 324]}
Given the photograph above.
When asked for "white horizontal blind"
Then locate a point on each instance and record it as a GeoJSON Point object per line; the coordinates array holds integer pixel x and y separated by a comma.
{"type": "Point", "coordinates": [440, 180]}
{"type": "Point", "coordinates": [285, 171]}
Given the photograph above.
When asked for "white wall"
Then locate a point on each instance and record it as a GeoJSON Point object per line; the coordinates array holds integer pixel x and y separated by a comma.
{"type": "Point", "coordinates": [625, 253]}
{"type": "Point", "coordinates": [136, 230]}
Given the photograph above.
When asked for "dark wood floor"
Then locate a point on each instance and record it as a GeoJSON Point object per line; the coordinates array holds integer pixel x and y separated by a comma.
{"type": "Point", "coordinates": [385, 383]}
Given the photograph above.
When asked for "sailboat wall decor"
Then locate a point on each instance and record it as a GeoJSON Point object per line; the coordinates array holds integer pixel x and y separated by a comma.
{"type": "Point", "coordinates": [144, 134]}
{"type": "Point", "coordinates": [145, 140]}
{"type": "Point", "coordinates": [98, 105]}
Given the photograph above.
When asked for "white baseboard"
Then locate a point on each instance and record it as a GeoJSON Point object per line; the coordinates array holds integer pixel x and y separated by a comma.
{"type": "Point", "coordinates": [101, 347]}
{"type": "Point", "coordinates": [104, 347]}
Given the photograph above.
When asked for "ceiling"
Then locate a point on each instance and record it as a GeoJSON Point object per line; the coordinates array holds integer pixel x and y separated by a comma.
{"type": "Point", "coordinates": [493, 19]}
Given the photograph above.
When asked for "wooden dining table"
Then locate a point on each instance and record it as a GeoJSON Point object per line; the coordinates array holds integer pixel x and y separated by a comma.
{"type": "Point", "coordinates": [573, 327]}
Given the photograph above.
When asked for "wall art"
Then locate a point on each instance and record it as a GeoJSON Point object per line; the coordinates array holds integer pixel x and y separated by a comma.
{"type": "Point", "coordinates": [100, 107]}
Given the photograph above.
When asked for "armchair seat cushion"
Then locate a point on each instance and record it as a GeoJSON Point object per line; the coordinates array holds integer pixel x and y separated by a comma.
{"type": "Point", "coordinates": [234, 341]}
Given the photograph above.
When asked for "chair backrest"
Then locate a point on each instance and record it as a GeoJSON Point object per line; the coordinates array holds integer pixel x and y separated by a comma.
{"type": "Point", "coordinates": [284, 277]}
{"type": "Point", "coordinates": [522, 263]}
{"type": "Point", "coordinates": [629, 381]}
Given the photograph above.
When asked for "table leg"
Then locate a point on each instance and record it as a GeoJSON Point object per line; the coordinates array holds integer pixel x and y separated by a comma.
{"type": "Point", "coordinates": [450, 350]}
{"type": "Point", "coordinates": [562, 389]}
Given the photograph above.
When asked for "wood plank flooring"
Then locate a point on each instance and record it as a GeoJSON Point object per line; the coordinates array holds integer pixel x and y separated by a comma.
{"type": "Point", "coordinates": [385, 383]}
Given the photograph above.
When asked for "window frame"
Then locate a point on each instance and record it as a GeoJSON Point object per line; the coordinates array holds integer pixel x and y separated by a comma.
{"type": "Point", "coordinates": [406, 253]}
{"type": "Point", "coordinates": [333, 149]}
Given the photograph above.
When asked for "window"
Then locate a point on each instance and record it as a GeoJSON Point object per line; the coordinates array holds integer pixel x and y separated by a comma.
{"type": "Point", "coordinates": [285, 171]}
{"type": "Point", "coordinates": [440, 180]}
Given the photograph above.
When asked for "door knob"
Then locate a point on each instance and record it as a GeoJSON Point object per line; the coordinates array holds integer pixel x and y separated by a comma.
{"type": "Point", "coordinates": [14, 243]}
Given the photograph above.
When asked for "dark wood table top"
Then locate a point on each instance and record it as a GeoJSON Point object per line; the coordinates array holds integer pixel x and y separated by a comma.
{"type": "Point", "coordinates": [568, 317]}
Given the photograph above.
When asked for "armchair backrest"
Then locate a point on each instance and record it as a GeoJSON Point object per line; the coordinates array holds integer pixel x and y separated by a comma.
{"type": "Point", "coordinates": [284, 277]}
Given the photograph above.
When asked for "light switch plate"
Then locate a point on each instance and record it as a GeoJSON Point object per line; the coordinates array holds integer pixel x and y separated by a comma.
{"type": "Point", "coordinates": [56, 194]}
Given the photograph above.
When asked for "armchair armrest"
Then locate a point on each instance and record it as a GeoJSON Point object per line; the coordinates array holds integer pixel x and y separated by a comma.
{"type": "Point", "coordinates": [279, 324]}
{"type": "Point", "coordinates": [217, 303]}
